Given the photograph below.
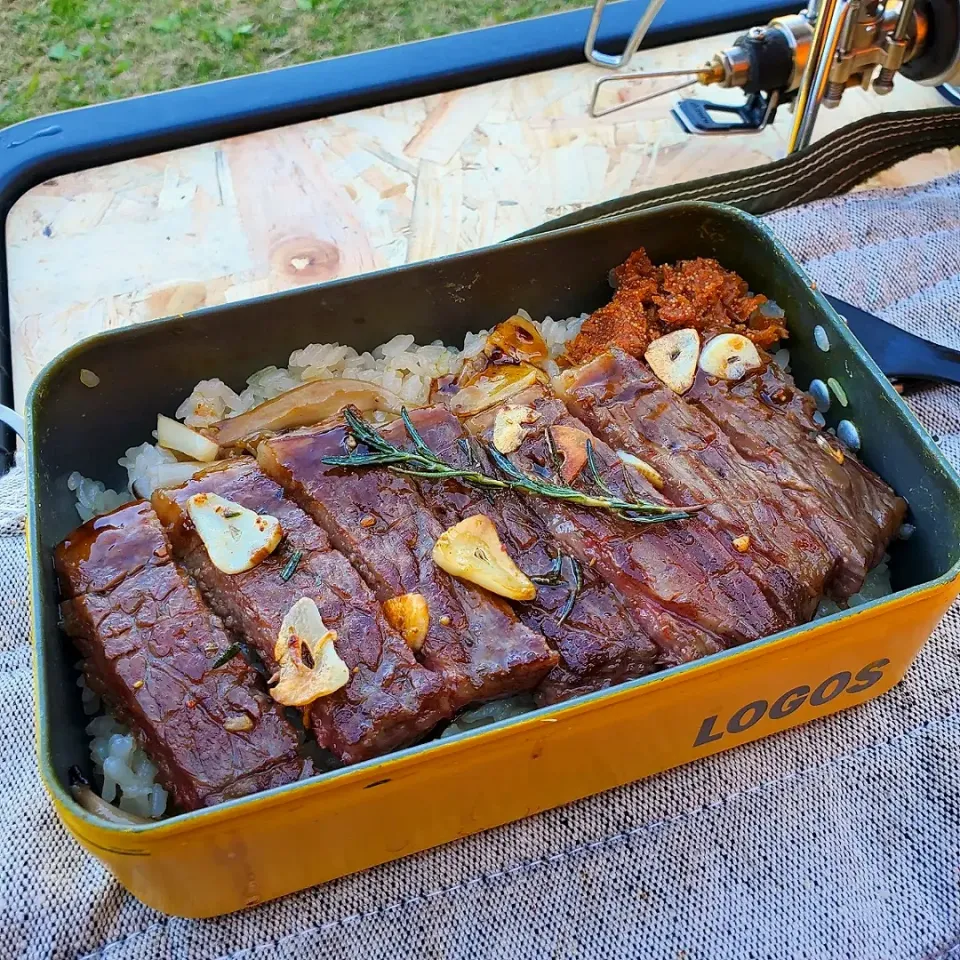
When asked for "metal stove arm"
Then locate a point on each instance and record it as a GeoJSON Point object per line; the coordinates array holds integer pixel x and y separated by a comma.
{"type": "Point", "coordinates": [633, 44]}
{"type": "Point", "coordinates": [831, 18]}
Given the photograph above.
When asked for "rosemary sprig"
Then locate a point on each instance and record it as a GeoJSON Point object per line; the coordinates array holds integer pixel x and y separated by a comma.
{"type": "Point", "coordinates": [554, 577]}
{"type": "Point", "coordinates": [424, 462]}
{"type": "Point", "coordinates": [419, 462]}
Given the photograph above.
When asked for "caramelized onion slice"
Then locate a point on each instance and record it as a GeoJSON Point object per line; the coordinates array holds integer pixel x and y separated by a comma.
{"type": "Point", "coordinates": [304, 406]}
{"type": "Point", "coordinates": [494, 386]}
{"type": "Point", "coordinates": [518, 339]}
{"type": "Point", "coordinates": [95, 804]}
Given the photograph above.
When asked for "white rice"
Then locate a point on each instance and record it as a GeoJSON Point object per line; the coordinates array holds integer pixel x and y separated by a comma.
{"type": "Point", "coordinates": [486, 713]}
{"type": "Point", "coordinates": [876, 585]}
{"type": "Point", "coordinates": [126, 771]}
{"type": "Point", "coordinates": [93, 498]}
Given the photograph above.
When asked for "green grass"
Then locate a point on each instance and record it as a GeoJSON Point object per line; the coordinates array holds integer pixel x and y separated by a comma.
{"type": "Point", "coordinates": [58, 54]}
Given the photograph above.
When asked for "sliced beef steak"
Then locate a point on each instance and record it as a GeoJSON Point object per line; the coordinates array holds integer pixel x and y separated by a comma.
{"type": "Point", "coordinates": [620, 399]}
{"type": "Point", "coordinates": [149, 643]}
{"type": "Point", "coordinates": [770, 423]}
{"type": "Point", "coordinates": [688, 595]}
{"type": "Point", "coordinates": [598, 642]}
{"type": "Point", "coordinates": [390, 699]}
{"type": "Point", "coordinates": [379, 520]}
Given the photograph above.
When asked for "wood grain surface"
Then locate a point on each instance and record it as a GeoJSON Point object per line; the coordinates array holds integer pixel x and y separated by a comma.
{"type": "Point", "coordinates": [328, 198]}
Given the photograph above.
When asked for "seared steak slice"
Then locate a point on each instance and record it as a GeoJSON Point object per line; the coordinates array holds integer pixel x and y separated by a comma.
{"type": "Point", "coordinates": [770, 423]}
{"type": "Point", "coordinates": [687, 594]}
{"type": "Point", "coordinates": [380, 522]}
{"type": "Point", "coordinates": [390, 700]}
{"type": "Point", "coordinates": [598, 642]}
{"type": "Point", "coordinates": [622, 401]}
{"type": "Point", "coordinates": [148, 643]}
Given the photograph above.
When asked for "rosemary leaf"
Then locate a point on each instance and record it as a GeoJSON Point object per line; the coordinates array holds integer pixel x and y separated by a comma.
{"type": "Point", "coordinates": [594, 472]}
{"type": "Point", "coordinates": [362, 460]}
{"type": "Point", "coordinates": [226, 656]}
{"type": "Point", "coordinates": [553, 576]}
{"type": "Point", "coordinates": [629, 510]}
{"type": "Point", "coordinates": [418, 441]}
{"type": "Point", "coordinates": [574, 590]}
{"type": "Point", "coordinates": [551, 449]}
{"type": "Point", "coordinates": [290, 567]}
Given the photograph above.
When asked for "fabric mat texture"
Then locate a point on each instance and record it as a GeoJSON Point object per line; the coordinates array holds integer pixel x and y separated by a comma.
{"type": "Point", "coordinates": [837, 840]}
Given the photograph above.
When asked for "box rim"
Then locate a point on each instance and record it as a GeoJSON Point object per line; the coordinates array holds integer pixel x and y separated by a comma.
{"type": "Point", "coordinates": [233, 809]}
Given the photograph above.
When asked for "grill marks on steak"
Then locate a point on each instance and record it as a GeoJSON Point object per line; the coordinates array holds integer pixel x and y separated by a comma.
{"type": "Point", "coordinates": [379, 520]}
{"type": "Point", "coordinates": [686, 593]}
{"type": "Point", "coordinates": [770, 423]}
{"type": "Point", "coordinates": [390, 699]}
{"type": "Point", "coordinates": [624, 403]}
{"type": "Point", "coordinates": [148, 642]}
{"type": "Point", "coordinates": [599, 644]}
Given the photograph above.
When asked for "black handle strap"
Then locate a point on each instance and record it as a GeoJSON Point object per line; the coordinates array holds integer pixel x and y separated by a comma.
{"type": "Point", "coordinates": [829, 167]}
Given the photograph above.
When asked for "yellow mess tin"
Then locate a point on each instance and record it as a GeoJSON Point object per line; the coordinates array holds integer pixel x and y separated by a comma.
{"type": "Point", "coordinates": [238, 854]}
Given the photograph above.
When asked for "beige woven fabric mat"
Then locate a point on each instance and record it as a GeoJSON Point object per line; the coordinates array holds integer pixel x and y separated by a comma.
{"type": "Point", "coordinates": [837, 840]}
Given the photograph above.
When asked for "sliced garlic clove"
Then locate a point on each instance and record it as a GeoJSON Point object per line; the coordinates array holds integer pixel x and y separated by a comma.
{"type": "Point", "coordinates": [236, 538]}
{"type": "Point", "coordinates": [649, 473]}
{"type": "Point", "coordinates": [508, 427]}
{"type": "Point", "coordinates": [571, 442]}
{"type": "Point", "coordinates": [409, 615]}
{"type": "Point", "coordinates": [729, 356]}
{"type": "Point", "coordinates": [673, 358]}
{"type": "Point", "coordinates": [173, 435]}
{"type": "Point", "coordinates": [309, 665]}
{"type": "Point", "coordinates": [472, 551]}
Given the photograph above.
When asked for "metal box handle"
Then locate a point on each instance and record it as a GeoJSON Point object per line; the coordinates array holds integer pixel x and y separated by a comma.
{"type": "Point", "coordinates": [14, 421]}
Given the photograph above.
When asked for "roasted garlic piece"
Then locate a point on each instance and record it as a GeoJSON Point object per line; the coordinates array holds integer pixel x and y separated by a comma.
{"type": "Point", "coordinates": [729, 356]}
{"type": "Point", "coordinates": [571, 443]}
{"type": "Point", "coordinates": [648, 472]}
{"type": "Point", "coordinates": [309, 665]}
{"type": "Point", "coordinates": [828, 447]}
{"type": "Point", "coordinates": [173, 435]}
{"type": "Point", "coordinates": [409, 615]}
{"type": "Point", "coordinates": [518, 339]}
{"type": "Point", "coordinates": [472, 551]}
{"type": "Point", "coordinates": [236, 538]}
{"type": "Point", "coordinates": [673, 358]}
{"type": "Point", "coordinates": [508, 427]}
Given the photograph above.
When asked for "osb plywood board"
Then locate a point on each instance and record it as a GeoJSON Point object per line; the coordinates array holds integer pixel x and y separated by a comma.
{"type": "Point", "coordinates": [233, 219]}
